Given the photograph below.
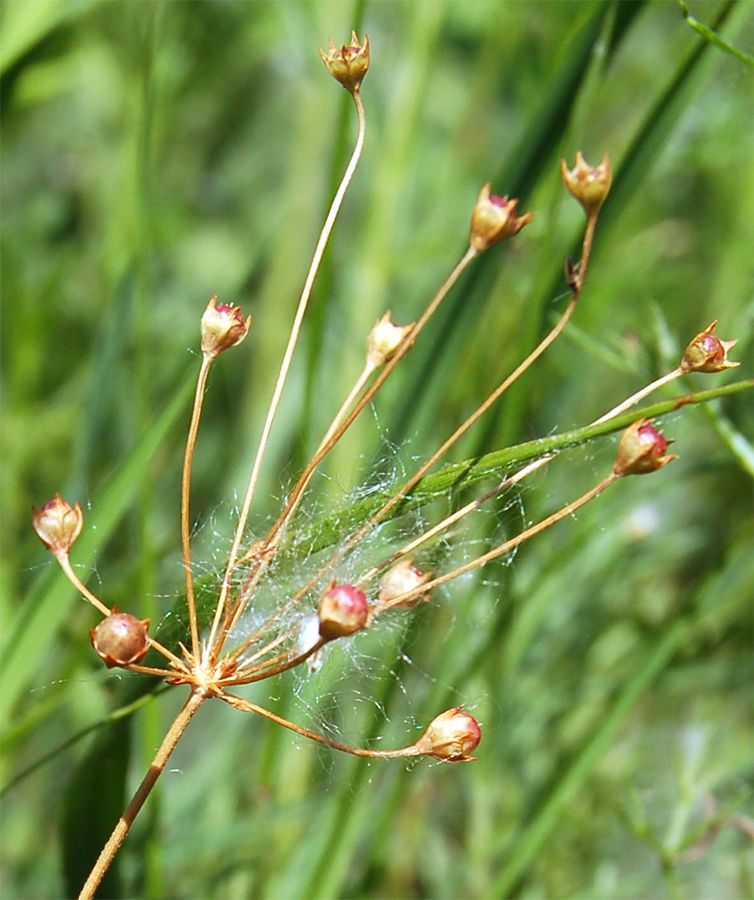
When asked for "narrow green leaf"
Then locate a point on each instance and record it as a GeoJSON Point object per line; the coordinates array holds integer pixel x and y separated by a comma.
{"type": "Point", "coordinates": [714, 38]}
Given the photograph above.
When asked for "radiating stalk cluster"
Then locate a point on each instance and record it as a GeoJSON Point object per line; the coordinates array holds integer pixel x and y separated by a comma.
{"type": "Point", "coordinates": [323, 609]}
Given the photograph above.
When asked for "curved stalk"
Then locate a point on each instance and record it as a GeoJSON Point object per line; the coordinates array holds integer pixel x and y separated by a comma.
{"type": "Point", "coordinates": [188, 457]}
{"type": "Point", "coordinates": [213, 647]}
{"type": "Point", "coordinates": [455, 274]}
{"type": "Point", "coordinates": [247, 706]}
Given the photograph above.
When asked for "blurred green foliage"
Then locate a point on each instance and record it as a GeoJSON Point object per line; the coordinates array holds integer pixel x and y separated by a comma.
{"type": "Point", "coordinates": [155, 154]}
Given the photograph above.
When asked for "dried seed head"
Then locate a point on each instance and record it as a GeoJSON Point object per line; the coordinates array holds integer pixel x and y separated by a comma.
{"type": "Point", "coordinates": [222, 327]}
{"type": "Point", "coordinates": [349, 64]}
{"type": "Point", "coordinates": [58, 524]}
{"type": "Point", "coordinates": [120, 639]}
{"type": "Point", "coordinates": [384, 339]}
{"type": "Point", "coordinates": [452, 736]}
{"type": "Point", "coordinates": [588, 184]}
{"type": "Point", "coordinates": [494, 219]}
{"type": "Point", "coordinates": [707, 353]}
{"type": "Point", "coordinates": [342, 610]}
{"type": "Point", "coordinates": [641, 450]}
{"type": "Point", "coordinates": [400, 579]}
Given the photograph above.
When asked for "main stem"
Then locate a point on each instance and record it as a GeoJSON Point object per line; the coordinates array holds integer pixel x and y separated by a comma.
{"type": "Point", "coordinates": [137, 801]}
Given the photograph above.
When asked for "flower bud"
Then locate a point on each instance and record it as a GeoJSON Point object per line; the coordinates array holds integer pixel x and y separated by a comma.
{"type": "Point", "coordinates": [222, 327]}
{"type": "Point", "coordinates": [349, 64]}
{"type": "Point", "coordinates": [641, 450]}
{"type": "Point", "coordinates": [384, 339]}
{"type": "Point", "coordinates": [494, 219]}
{"type": "Point", "coordinates": [707, 353]}
{"type": "Point", "coordinates": [342, 611]}
{"type": "Point", "coordinates": [120, 639]}
{"type": "Point", "coordinates": [58, 524]}
{"type": "Point", "coordinates": [400, 579]}
{"type": "Point", "coordinates": [588, 184]}
{"type": "Point", "coordinates": [452, 736]}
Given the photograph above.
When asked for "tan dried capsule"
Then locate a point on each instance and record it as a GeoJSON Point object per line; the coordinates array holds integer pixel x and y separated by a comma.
{"type": "Point", "coordinates": [400, 579]}
{"type": "Point", "coordinates": [588, 184]}
{"type": "Point", "coordinates": [452, 736]}
{"type": "Point", "coordinates": [58, 524]}
{"type": "Point", "coordinates": [222, 327]}
{"type": "Point", "coordinates": [641, 450]}
{"type": "Point", "coordinates": [342, 610]}
{"type": "Point", "coordinates": [384, 339]}
{"type": "Point", "coordinates": [494, 219]}
{"type": "Point", "coordinates": [121, 639]}
{"type": "Point", "coordinates": [349, 63]}
{"type": "Point", "coordinates": [707, 353]}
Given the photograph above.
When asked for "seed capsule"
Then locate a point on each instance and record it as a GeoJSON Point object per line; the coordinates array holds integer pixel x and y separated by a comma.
{"type": "Point", "coordinates": [58, 524]}
{"type": "Point", "coordinates": [707, 353]}
{"type": "Point", "coordinates": [494, 219]}
{"type": "Point", "coordinates": [121, 639]}
{"type": "Point", "coordinates": [588, 184]}
{"type": "Point", "coordinates": [349, 63]}
{"type": "Point", "coordinates": [402, 578]}
{"type": "Point", "coordinates": [641, 450]}
{"type": "Point", "coordinates": [343, 610]}
{"type": "Point", "coordinates": [384, 339]}
{"type": "Point", "coordinates": [222, 327]}
{"type": "Point", "coordinates": [451, 736]}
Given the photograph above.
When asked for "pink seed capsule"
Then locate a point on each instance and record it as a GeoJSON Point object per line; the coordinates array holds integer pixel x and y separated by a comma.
{"type": "Point", "coordinates": [641, 450]}
{"type": "Point", "coordinates": [343, 610]}
{"type": "Point", "coordinates": [707, 353]}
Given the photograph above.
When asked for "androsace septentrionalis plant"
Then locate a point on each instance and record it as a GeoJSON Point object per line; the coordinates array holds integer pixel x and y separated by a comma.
{"type": "Point", "coordinates": [323, 609]}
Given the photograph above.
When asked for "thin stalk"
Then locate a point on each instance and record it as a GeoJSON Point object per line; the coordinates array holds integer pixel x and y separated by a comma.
{"type": "Point", "coordinates": [457, 434]}
{"type": "Point", "coordinates": [137, 801]}
{"type": "Point", "coordinates": [639, 395]}
{"type": "Point", "coordinates": [212, 651]}
{"type": "Point", "coordinates": [577, 285]}
{"type": "Point", "coordinates": [435, 530]}
{"type": "Point", "coordinates": [152, 670]}
{"type": "Point", "coordinates": [65, 565]}
{"type": "Point", "coordinates": [586, 251]}
{"type": "Point", "coordinates": [255, 657]}
{"type": "Point", "coordinates": [267, 670]}
{"type": "Point", "coordinates": [179, 663]}
{"type": "Point", "coordinates": [406, 344]}
{"type": "Point", "coordinates": [482, 560]}
{"type": "Point", "coordinates": [271, 544]}
{"type": "Point", "coordinates": [319, 453]}
{"type": "Point", "coordinates": [188, 457]}
{"type": "Point", "coordinates": [326, 446]}
{"type": "Point", "coordinates": [513, 479]}
{"type": "Point", "coordinates": [247, 706]}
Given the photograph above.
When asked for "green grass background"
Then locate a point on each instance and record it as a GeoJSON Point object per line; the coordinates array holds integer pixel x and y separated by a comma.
{"type": "Point", "coordinates": [155, 154]}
